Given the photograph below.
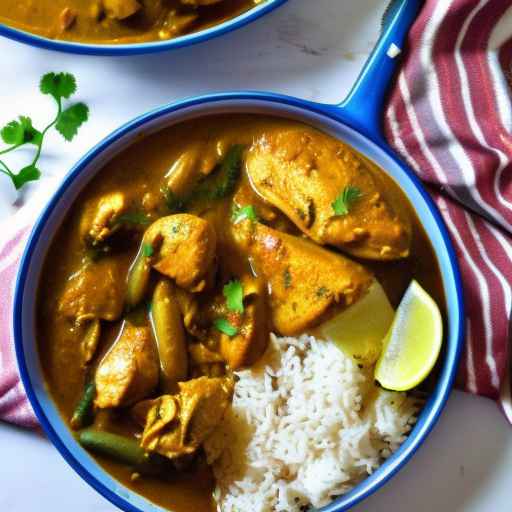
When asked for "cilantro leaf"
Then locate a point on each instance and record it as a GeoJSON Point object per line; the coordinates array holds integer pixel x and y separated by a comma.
{"type": "Point", "coordinates": [133, 218]}
{"type": "Point", "coordinates": [58, 85]}
{"type": "Point", "coordinates": [71, 119]}
{"type": "Point", "coordinates": [222, 181]}
{"type": "Point", "coordinates": [346, 199]}
{"type": "Point", "coordinates": [287, 278]}
{"type": "Point", "coordinates": [223, 325]}
{"type": "Point", "coordinates": [20, 131]}
{"type": "Point", "coordinates": [147, 250]}
{"type": "Point", "coordinates": [234, 294]}
{"type": "Point", "coordinates": [243, 213]}
{"type": "Point", "coordinates": [173, 202]}
{"type": "Point", "coordinates": [28, 173]}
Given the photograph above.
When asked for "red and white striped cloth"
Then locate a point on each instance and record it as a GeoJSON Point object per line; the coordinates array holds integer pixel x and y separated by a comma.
{"type": "Point", "coordinates": [450, 117]}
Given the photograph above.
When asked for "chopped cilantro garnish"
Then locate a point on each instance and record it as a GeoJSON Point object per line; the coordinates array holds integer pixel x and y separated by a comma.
{"type": "Point", "coordinates": [287, 278]}
{"type": "Point", "coordinates": [322, 291]}
{"type": "Point", "coordinates": [243, 213]}
{"type": "Point", "coordinates": [234, 294]}
{"type": "Point", "coordinates": [223, 325]}
{"type": "Point", "coordinates": [21, 131]}
{"type": "Point", "coordinates": [221, 182]}
{"type": "Point", "coordinates": [147, 250]}
{"type": "Point", "coordinates": [345, 200]}
{"type": "Point", "coordinates": [133, 218]}
{"type": "Point", "coordinates": [173, 202]}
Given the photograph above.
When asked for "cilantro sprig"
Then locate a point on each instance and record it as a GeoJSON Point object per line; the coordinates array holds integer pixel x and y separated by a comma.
{"type": "Point", "coordinates": [346, 199]}
{"type": "Point", "coordinates": [234, 294]}
{"type": "Point", "coordinates": [223, 325]}
{"type": "Point", "coordinates": [244, 212]}
{"type": "Point", "coordinates": [21, 131]}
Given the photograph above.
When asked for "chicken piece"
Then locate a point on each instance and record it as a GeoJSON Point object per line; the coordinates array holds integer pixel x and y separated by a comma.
{"type": "Point", "coordinates": [96, 291]}
{"type": "Point", "coordinates": [189, 308]}
{"type": "Point", "coordinates": [177, 425]}
{"type": "Point", "coordinates": [98, 222]}
{"type": "Point", "coordinates": [129, 371]}
{"type": "Point", "coordinates": [185, 249]}
{"type": "Point", "coordinates": [170, 335]}
{"type": "Point", "coordinates": [205, 361]}
{"type": "Point", "coordinates": [200, 354]}
{"type": "Point", "coordinates": [308, 283]}
{"type": "Point", "coordinates": [177, 23]}
{"type": "Point", "coordinates": [253, 329]}
{"type": "Point", "coordinates": [181, 247]}
{"type": "Point", "coordinates": [302, 172]}
{"type": "Point", "coordinates": [121, 9]}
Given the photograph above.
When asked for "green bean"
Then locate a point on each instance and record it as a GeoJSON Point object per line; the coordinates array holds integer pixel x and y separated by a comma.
{"type": "Point", "coordinates": [83, 414]}
{"type": "Point", "coordinates": [138, 279]}
{"type": "Point", "coordinates": [170, 335]}
{"type": "Point", "coordinates": [120, 448]}
{"type": "Point", "coordinates": [125, 450]}
{"type": "Point", "coordinates": [91, 339]}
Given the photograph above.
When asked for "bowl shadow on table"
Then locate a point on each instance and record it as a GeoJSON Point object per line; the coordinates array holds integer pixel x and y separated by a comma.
{"type": "Point", "coordinates": [455, 464]}
{"type": "Point", "coordinates": [296, 43]}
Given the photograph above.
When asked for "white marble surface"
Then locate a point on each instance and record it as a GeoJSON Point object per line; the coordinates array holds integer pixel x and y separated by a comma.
{"type": "Point", "coordinates": [309, 48]}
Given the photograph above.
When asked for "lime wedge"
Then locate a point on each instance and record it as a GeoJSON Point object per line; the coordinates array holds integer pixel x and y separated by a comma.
{"type": "Point", "coordinates": [359, 330]}
{"type": "Point", "coordinates": [412, 345]}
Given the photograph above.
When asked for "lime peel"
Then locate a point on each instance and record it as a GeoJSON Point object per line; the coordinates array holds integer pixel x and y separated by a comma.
{"type": "Point", "coordinates": [413, 343]}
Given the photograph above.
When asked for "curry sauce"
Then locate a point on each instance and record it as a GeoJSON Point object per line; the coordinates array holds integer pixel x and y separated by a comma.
{"type": "Point", "coordinates": [149, 184]}
{"type": "Point", "coordinates": [118, 21]}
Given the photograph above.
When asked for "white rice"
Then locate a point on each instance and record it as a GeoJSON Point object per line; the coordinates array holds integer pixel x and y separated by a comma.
{"type": "Point", "coordinates": [307, 424]}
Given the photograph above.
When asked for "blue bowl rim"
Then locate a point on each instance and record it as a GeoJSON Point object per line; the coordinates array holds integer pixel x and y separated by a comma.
{"type": "Point", "coordinates": [229, 25]}
{"type": "Point", "coordinates": [335, 113]}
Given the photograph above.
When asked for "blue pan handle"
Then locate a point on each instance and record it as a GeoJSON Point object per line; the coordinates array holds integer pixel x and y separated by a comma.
{"type": "Point", "coordinates": [363, 107]}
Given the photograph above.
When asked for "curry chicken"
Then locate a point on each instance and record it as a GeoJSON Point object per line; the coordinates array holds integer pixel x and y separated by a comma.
{"type": "Point", "coordinates": [182, 256]}
{"type": "Point", "coordinates": [118, 21]}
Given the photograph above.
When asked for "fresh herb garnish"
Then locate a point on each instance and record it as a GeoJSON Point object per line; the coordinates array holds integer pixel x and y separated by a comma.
{"type": "Point", "coordinates": [223, 325]}
{"type": "Point", "coordinates": [221, 182]}
{"type": "Point", "coordinates": [243, 213]}
{"type": "Point", "coordinates": [67, 121]}
{"type": "Point", "coordinates": [147, 250]}
{"type": "Point", "coordinates": [346, 199]}
{"type": "Point", "coordinates": [322, 291]}
{"type": "Point", "coordinates": [133, 218]}
{"type": "Point", "coordinates": [234, 294]}
{"type": "Point", "coordinates": [173, 202]}
{"type": "Point", "coordinates": [217, 185]}
{"type": "Point", "coordinates": [287, 278]}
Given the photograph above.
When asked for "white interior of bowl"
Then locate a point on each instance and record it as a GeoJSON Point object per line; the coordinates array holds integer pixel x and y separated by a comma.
{"type": "Point", "coordinates": [89, 167]}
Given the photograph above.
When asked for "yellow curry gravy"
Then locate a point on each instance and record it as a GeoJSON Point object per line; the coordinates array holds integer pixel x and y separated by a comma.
{"type": "Point", "coordinates": [140, 170]}
{"type": "Point", "coordinates": [95, 21]}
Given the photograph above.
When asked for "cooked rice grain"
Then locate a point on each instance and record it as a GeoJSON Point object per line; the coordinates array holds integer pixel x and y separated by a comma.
{"type": "Point", "coordinates": [306, 424]}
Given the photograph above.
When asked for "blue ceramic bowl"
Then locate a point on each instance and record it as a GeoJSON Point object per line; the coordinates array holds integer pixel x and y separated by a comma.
{"type": "Point", "coordinates": [138, 48]}
{"type": "Point", "coordinates": [355, 122]}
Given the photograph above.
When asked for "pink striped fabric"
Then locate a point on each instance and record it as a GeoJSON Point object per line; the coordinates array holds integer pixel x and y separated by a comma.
{"type": "Point", "coordinates": [450, 117]}
{"type": "Point", "coordinates": [14, 405]}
